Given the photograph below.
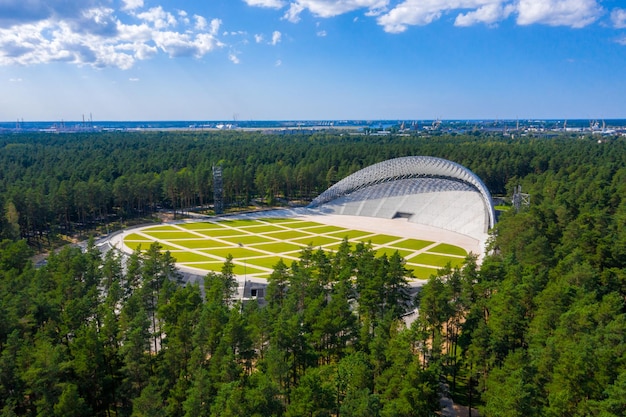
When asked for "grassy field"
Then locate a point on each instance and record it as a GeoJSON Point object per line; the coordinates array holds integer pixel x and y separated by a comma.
{"type": "Point", "coordinates": [257, 245]}
{"type": "Point", "coordinates": [446, 249]}
{"type": "Point", "coordinates": [431, 259]}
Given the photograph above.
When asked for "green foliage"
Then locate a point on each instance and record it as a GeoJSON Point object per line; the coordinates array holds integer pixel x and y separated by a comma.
{"type": "Point", "coordinates": [537, 329]}
{"type": "Point", "coordinates": [61, 184]}
{"type": "Point", "coordinates": [149, 403]}
{"type": "Point", "coordinates": [71, 404]}
{"type": "Point", "coordinates": [545, 335]}
{"type": "Point", "coordinates": [510, 389]}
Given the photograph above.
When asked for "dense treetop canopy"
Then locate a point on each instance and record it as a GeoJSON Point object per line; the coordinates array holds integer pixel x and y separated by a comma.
{"type": "Point", "coordinates": [537, 329]}
{"type": "Point", "coordinates": [60, 182]}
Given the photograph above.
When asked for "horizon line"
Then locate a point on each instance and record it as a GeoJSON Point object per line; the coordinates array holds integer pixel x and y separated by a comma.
{"type": "Point", "coordinates": [343, 120]}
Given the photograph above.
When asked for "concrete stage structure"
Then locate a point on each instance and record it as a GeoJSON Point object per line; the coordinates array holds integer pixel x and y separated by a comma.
{"type": "Point", "coordinates": [421, 189]}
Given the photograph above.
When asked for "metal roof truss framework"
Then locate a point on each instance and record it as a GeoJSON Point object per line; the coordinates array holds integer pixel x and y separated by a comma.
{"type": "Point", "coordinates": [410, 167]}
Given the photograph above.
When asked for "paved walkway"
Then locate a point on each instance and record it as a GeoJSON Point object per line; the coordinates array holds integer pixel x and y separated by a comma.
{"type": "Point", "coordinates": [401, 228]}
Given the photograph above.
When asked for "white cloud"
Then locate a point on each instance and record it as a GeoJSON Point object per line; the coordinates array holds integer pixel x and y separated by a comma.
{"type": "Point", "coordinates": [278, 63]}
{"type": "Point", "coordinates": [273, 4]}
{"type": "Point", "coordinates": [91, 32]}
{"type": "Point", "coordinates": [206, 43]}
{"type": "Point", "coordinates": [396, 17]}
{"type": "Point", "coordinates": [183, 17]}
{"type": "Point", "coordinates": [177, 44]}
{"type": "Point", "coordinates": [330, 8]}
{"type": "Point", "coordinates": [133, 79]}
{"type": "Point", "coordinates": [99, 36]}
{"type": "Point", "coordinates": [293, 14]}
{"type": "Point", "coordinates": [376, 11]}
{"type": "Point", "coordinates": [15, 80]}
{"type": "Point", "coordinates": [201, 22]}
{"type": "Point", "coordinates": [140, 51]}
{"type": "Point", "coordinates": [618, 17]}
{"type": "Point", "coordinates": [276, 37]}
{"type": "Point", "coordinates": [488, 14]}
{"type": "Point", "coordinates": [132, 4]}
{"type": "Point", "coordinates": [141, 33]}
{"type": "Point", "coordinates": [159, 18]}
{"type": "Point", "coordinates": [96, 21]}
{"type": "Point", "coordinates": [413, 12]}
{"type": "Point", "coordinates": [622, 40]}
{"type": "Point", "coordinates": [233, 58]}
{"type": "Point", "coordinates": [573, 13]}
{"type": "Point", "coordinates": [215, 26]}
{"type": "Point", "coordinates": [29, 46]}
{"type": "Point", "coordinates": [17, 12]}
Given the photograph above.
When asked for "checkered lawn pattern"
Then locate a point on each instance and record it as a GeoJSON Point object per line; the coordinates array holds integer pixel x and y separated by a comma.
{"type": "Point", "coordinates": [257, 245]}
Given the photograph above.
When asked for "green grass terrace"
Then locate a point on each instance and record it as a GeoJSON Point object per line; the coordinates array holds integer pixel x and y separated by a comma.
{"type": "Point", "coordinates": [256, 245]}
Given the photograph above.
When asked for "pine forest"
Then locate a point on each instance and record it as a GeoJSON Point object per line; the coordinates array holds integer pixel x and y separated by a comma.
{"type": "Point", "coordinates": [538, 328]}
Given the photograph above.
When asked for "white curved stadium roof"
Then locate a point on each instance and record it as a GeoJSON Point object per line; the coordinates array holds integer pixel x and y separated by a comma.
{"type": "Point", "coordinates": [426, 174]}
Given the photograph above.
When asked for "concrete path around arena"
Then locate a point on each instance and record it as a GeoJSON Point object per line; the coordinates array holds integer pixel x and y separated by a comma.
{"type": "Point", "coordinates": [400, 228]}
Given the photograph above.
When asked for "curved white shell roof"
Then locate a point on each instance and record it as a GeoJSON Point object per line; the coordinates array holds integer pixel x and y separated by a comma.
{"type": "Point", "coordinates": [406, 168]}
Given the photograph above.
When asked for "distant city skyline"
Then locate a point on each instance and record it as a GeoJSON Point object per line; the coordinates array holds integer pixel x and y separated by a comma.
{"type": "Point", "coordinates": [312, 59]}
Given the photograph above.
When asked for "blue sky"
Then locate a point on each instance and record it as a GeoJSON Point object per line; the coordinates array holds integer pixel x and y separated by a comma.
{"type": "Point", "coordinates": [312, 59]}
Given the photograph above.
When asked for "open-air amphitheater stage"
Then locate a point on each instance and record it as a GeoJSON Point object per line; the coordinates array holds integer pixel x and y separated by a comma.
{"type": "Point", "coordinates": [396, 227]}
{"type": "Point", "coordinates": [431, 211]}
